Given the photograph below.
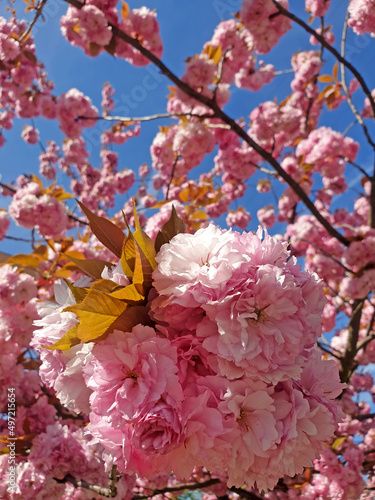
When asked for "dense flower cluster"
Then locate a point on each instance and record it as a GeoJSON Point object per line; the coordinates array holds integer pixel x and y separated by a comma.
{"type": "Point", "coordinates": [31, 208]}
{"type": "Point", "coordinates": [227, 377]}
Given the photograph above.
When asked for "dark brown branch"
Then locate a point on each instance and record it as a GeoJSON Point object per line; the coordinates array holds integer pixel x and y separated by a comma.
{"type": "Point", "coordinates": [369, 336]}
{"type": "Point", "coordinates": [347, 359]}
{"type": "Point", "coordinates": [73, 217]}
{"type": "Point", "coordinates": [171, 179]}
{"type": "Point", "coordinates": [358, 167]}
{"type": "Point", "coordinates": [158, 116]}
{"type": "Point", "coordinates": [323, 252]}
{"type": "Point", "coordinates": [330, 49]}
{"type": "Point", "coordinates": [178, 487]}
{"type": "Point", "coordinates": [14, 238]}
{"type": "Point", "coordinates": [326, 349]}
{"type": "Point", "coordinates": [244, 493]}
{"type": "Point", "coordinates": [363, 417]}
{"type": "Point", "coordinates": [109, 492]}
{"type": "Point", "coordinates": [218, 113]}
{"type": "Point", "coordinates": [6, 186]}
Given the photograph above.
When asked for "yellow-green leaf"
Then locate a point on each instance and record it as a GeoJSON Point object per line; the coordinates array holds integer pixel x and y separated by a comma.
{"type": "Point", "coordinates": [335, 71]}
{"type": "Point", "coordinates": [79, 293]}
{"type": "Point", "coordinates": [128, 256]}
{"type": "Point", "coordinates": [133, 315]}
{"type": "Point", "coordinates": [124, 10]}
{"type": "Point", "coordinates": [108, 233]}
{"type": "Point", "coordinates": [145, 242]}
{"type": "Point", "coordinates": [199, 214]}
{"type": "Point", "coordinates": [96, 314]}
{"type": "Point", "coordinates": [66, 342]}
{"type": "Point", "coordinates": [23, 260]}
{"type": "Point", "coordinates": [142, 278]}
{"type": "Point", "coordinates": [213, 52]}
{"type": "Point", "coordinates": [129, 294]}
{"type": "Point", "coordinates": [338, 442]}
{"type": "Point", "coordinates": [325, 78]}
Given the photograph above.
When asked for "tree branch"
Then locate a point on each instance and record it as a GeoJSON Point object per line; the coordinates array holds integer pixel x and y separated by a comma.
{"type": "Point", "coordinates": [347, 359]}
{"type": "Point", "coordinates": [178, 487]}
{"type": "Point", "coordinates": [171, 178]}
{"type": "Point", "coordinates": [326, 349]}
{"type": "Point", "coordinates": [109, 492]}
{"type": "Point", "coordinates": [10, 188]}
{"type": "Point", "coordinates": [323, 252]}
{"type": "Point", "coordinates": [330, 49]}
{"type": "Point", "coordinates": [218, 113]}
{"type": "Point", "coordinates": [369, 336]}
{"type": "Point", "coordinates": [39, 10]}
{"type": "Point", "coordinates": [244, 493]}
{"type": "Point", "coordinates": [345, 87]}
{"type": "Point", "coordinates": [144, 118]}
{"type": "Point", "coordinates": [358, 167]}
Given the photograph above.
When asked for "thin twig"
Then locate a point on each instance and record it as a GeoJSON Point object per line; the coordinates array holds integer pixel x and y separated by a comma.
{"type": "Point", "coordinates": [109, 492]}
{"type": "Point", "coordinates": [39, 10]}
{"type": "Point", "coordinates": [345, 87]}
{"type": "Point", "coordinates": [6, 186]}
{"type": "Point", "coordinates": [244, 493]}
{"type": "Point", "coordinates": [328, 255]}
{"type": "Point", "coordinates": [220, 72]}
{"type": "Point", "coordinates": [349, 127]}
{"type": "Point", "coordinates": [368, 337]}
{"type": "Point", "coordinates": [178, 487]}
{"type": "Point", "coordinates": [358, 167]}
{"type": "Point", "coordinates": [327, 350]}
{"type": "Point", "coordinates": [157, 116]}
{"type": "Point", "coordinates": [73, 217]}
{"type": "Point", "coordinates": [14, 238]}
{"type": "Point", "coordinates": [171, 178]}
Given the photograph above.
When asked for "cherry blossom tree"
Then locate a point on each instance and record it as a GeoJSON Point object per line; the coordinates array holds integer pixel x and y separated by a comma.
{"type": "Point", "coordinates": [151, 343]}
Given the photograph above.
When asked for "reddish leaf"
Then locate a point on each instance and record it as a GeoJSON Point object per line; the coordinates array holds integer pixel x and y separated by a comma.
{"type": "Point", "coordinates": [108, 233]}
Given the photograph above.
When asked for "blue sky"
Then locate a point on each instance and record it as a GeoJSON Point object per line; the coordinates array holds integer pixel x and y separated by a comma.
{"type": "Point", "coordinates": [185, 26]}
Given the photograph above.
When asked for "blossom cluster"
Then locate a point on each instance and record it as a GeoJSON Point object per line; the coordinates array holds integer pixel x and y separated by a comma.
{"type": "Point", "coordinates": [223, 374]}
{"type": "Point", "coordinates": [89, 28]}
{"type": "Point", "coordinates": [30, 208]}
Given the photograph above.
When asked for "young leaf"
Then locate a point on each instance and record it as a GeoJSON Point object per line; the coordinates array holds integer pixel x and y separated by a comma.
{"type": "Point", "coordinates": [23, 260]}
{"type": "Point", "coordinates": [129, 294]}
{"type": "Point", "coordinates": [335, 71]}
{"type": "Point", "coordinates": [325, 78]}
{"type": "Point", "coordinates": [66, 342]}
{"type": "Point", "coordinates": [128, 256]}
{"type": "Point", "coordinates": [108, 233]}
{"type": "Point", "coordinates": [96, 314]}
{"type": "Point", "coordinates": [142, 278]}
{"type": "Point", "coordinates": [132, 316]}
{"type": "Point", "coordinates": [145, 242]}
{"type": "Point", "coordinates": [173, 226]}
{"type": "Point", "coordinates": [92, 267]}
{"type": "Point", "coordinates": [79, 293]}
{"type": "Point", "coordinates": [124, 10]}
{"type": "Point", "coordinates": [105, 286]}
